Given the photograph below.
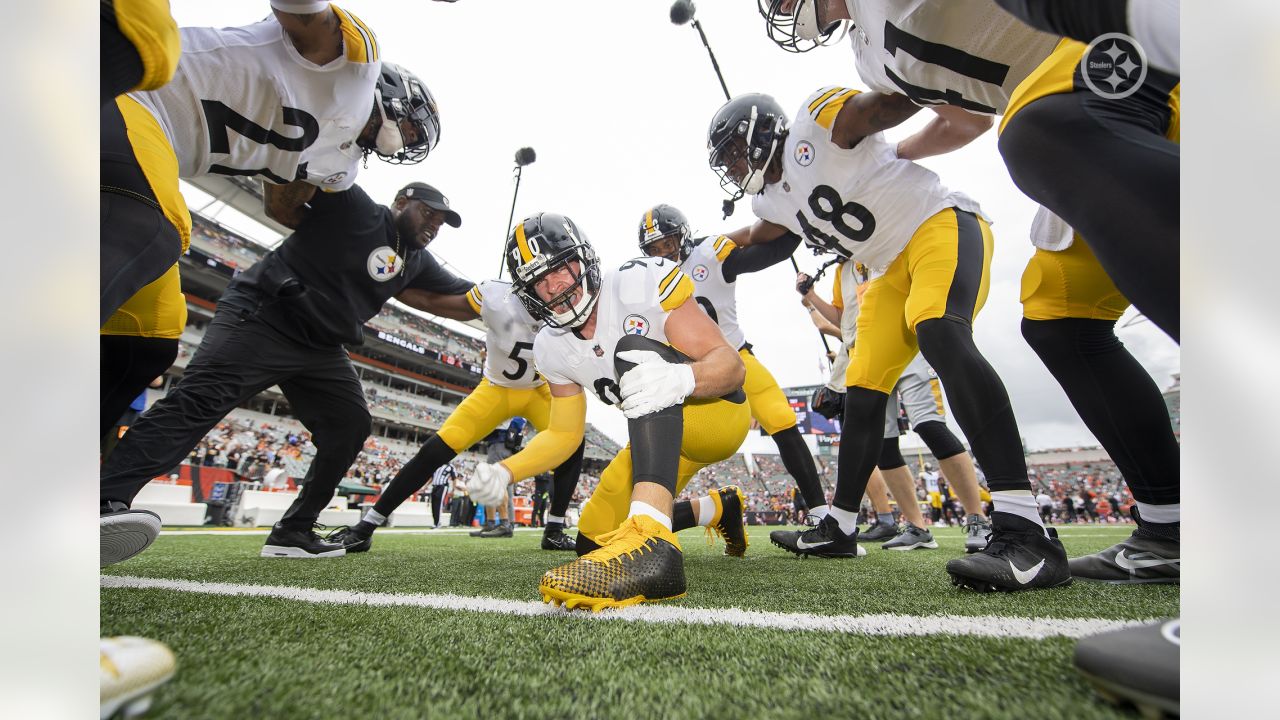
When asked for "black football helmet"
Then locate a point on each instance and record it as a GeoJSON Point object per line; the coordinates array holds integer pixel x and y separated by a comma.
{"type": "Point", "coordinates": [749, 127]}
{"type": "Point", "coordinates": [410, 117]}
{"type": "Point", "coordinates": [541, 244]}
{"type": "Point", "coordinates": [663, 221]}
{"type": "Point", "coordinates": [798, 29]}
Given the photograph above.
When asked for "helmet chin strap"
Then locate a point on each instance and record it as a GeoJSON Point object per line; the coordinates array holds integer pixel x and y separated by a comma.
{"type": "Point", "coordinates": [389, 141]}
{"type": "Point", "coordinates": [755, 181]}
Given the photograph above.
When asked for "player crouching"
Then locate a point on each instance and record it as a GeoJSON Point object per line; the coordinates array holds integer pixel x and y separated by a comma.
{"type": "Point", "coordinates": [616, 335]}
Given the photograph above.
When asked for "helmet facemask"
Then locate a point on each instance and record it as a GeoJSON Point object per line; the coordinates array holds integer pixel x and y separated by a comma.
{"type": "Point", "coordinates": [405, 105]}
{"type": "Point", "coordinates": [799, 30]}
{"type": "Point", "coordinates": [754, 140]}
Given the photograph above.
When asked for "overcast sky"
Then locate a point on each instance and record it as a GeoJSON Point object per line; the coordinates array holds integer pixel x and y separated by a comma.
{"type": "Point", "coordinates": [616, 100]}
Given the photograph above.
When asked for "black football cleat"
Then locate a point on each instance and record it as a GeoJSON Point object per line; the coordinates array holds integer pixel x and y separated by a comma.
{"type": "Point", "coordinates": [879, 532]}
{"type": "Point", "coordinates": [124, 532]}
{"type": "Point", "coordinates": [729, 522]}
{"type": "Point", "coordinates": [351, 539]}
{"type": "Point", "coordinates": [825, 541]}
{"type": "Point", "coordinates": [299, 543]}
{"type": "Point", "coordinates": [1018, 556]}
{"type": "Point", "coordinates": [557, 540]}
{"type": "Point", "coordinates": [1137, 665]}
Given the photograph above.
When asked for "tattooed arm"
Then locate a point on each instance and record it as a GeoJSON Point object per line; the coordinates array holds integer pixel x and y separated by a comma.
{"type": "Point", "coordinates": [317, 36]}
{"type": "Point", "coordinates": [284, 203]}
{"type": "Point", "coordinates": [868, 113]}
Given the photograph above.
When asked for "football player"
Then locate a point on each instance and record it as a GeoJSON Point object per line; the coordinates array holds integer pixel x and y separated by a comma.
{"type": "Point", "coordinates": [1054, 132]}
{"type": "Point", "coordinates": [832, 178]}
{"type": "Point", "coordinates": [511, 387]}
{"type": "Point", "coordinates": [635, 338]}
{"type": "Point", "coordinates": [139, 46]}
{"type": "Point", "coordinates": [715, 264]}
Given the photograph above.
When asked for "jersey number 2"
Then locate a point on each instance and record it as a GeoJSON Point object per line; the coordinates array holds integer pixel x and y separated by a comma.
{"type": "Point", "coordinates": [222, 121]}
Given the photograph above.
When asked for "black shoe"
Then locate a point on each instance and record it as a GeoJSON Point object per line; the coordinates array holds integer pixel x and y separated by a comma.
{"type": "Point", "coordinates": [730, 526]}
{"type": "Point", "coordinates": [299, 543]}
{"type": "Point", "coordinates": [825, 541]}
{"type": "Point", "coordinates": [1018, 556]}
{"type": "Point", "coordinates": [483, 529]}
{"type": "Point", "coordinates": [353, 538]}
{"type": "Point", "coordinates": [558, 541]}
{"type": "Point", "coordinates": [1135, 664]}
{"type": "Point", "coordinates": [879, 532]}
{"type": "Point", "coordinates": [123, 532]}
{"type": "Point", "coordinates": [501, 530]}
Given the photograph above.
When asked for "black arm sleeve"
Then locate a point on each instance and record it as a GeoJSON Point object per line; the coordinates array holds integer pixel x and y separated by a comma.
{"type": "Point", "coordinates": [1081, 20]}
{"type": "Point", "coordinates": [434, 278]}
{"type": "Point", "coordinates": [754, 258]}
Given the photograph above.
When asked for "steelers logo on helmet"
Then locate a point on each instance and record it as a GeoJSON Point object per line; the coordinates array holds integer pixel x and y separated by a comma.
{"type": "Point", "coordinates": [384, 264]}
{"type": "Point", "coordinates": [661, 222]}
{"type": "Point", "coordinates": [538, 247]}
{"type": "Point", "coordinates": [743, 138]}
{"type": "Point", "coordinates": [635, 325]}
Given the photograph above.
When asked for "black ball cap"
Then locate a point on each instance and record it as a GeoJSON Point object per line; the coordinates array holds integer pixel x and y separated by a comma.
{"type": "Point", "coordinates": [434, 200]}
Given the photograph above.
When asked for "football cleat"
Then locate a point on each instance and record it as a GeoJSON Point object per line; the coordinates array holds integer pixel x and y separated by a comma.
{"type": "Point", "coordinates": [124, 533]}
{"type": "Point", "coordinates": [557, 540]}
{"type": "Point", "coordinates": [130, 669]}
{"type": "Point", "coordinates": [483, 529]}
{"type": "Point", "coordinates": [1018, 556]}
{"type": "Point", "coordinates": [639, 562]}
{"type": "Point", "coordinates": [977, 532]}
{"type": "Point", "coordinates": [728, 520]}
{"type": "Point", "coordinates": [298, 543]}
{"type": "Point", "coordinates": [911, 538]}
{"type": "Point", "coordinates": [351, 539]}
{"type": "Point", "coordinates": [1140, 558]}
{"type": "Point", "coordinates": [1137, 665]}
{"type": "Point", "coordinates": [878, 532]}
{"type": "Point", "coordinates": [501, 530]}
{"type": "Point", "coordinates": [826, 541]}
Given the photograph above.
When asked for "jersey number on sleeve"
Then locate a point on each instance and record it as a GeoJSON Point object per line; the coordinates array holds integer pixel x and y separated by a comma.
{"type": "Point", "coordinates": [827, 205]}
{"type": "Point", "coordinates": [222, 120]}
{"type": "Point", "coordinates": [522, 365]}
{"type": "Point", "coordinates": [945, 56]}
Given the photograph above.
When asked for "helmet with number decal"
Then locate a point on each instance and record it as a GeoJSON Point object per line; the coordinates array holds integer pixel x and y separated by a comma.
{"type": "Point", "coordinates": [410, 117]}
{"type": "Point", "coordinates": [538, 246]}
{"type": "Point", "coordinates": [794, 24]}
{"type": "Point", "coordinates": [664, 221]}
{"type": "Point", "coordinates": [748, 129]}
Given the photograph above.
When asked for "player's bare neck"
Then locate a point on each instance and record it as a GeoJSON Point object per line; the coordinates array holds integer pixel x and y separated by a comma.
{"type": "Point", "coordinates": [588, 329]}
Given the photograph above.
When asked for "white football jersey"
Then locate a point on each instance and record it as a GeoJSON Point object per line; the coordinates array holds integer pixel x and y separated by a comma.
{"type": "Point", "coordinates": [509, 341]}
{"type": "Point", "coordinates": [863, 202]}
{"type": "Point", "coordinates": [635, 299]}
{"type": "Point", "coordinates": [244, 102]}
{"type": "Point", "coordinates": [931, 481]}
{"type": "Point", "coordinates": [967, 53]}
{"type": "Point", "coordinates": [717, 297]}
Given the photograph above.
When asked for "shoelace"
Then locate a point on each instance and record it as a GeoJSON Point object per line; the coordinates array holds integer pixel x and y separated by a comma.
{"type": "Point", "coordinates": [629, 531]}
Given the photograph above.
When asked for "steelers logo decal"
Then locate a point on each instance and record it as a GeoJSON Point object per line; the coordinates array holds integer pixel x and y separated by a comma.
{"type": "Point", "coordinates": [335, 178]}
{"type": "Point", "coordinates": [384, 264]}
{"type": "Point", "coordinates": [804, 153]}
{"type": "Point", "coordinates": [700, 273]}
{"type": "Point", "coordinates": [635, 325]}
{"type": "Point", "coordinates": [1114, 66]}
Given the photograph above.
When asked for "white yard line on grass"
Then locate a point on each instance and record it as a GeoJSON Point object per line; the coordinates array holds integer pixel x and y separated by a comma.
{"type": "Point", "coordinates": [987, 626]}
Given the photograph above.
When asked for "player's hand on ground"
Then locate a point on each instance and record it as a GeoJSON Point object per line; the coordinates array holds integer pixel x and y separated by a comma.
{"type": "Point", "coordinates": [488, 484]}
{"type": "Point", "coordinates": [653, 384]}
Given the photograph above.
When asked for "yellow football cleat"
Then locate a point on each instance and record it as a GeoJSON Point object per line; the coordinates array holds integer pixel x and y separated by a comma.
{"type": "Point", "coordinates": [728, 520]}
{"type": "Point", "coordinates": [131, 668]}
{"type": "Point", "coordinates": [639, 562]}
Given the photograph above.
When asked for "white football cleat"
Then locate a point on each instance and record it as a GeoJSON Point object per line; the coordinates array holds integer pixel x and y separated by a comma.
{"type": "Point", "coordinates": [131, 668]}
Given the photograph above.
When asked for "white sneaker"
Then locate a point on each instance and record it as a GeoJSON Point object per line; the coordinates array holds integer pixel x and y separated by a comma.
{"type": "Point", "coordinates": [131, 668]}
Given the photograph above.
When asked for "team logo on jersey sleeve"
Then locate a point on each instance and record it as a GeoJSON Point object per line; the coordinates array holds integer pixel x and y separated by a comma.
{"type": "Point", "coordinates": [699, 273]}
{"type": "Point", "coordinates": [804, 153]}
{"type": "Point", "coordinates": [635, 325]}
{"type": "Point", "coordinates": [335, 178]}
{"type": "Point", "coordinates": [384, 264]}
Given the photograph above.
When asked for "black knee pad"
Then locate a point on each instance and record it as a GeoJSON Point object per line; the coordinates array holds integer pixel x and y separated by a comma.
{"type": "Point", "coordinates": [941, 441]}
{"type": "Point", "coordinates": [655, 438]}
{"type": "Point", "coordinates": [890, 455]}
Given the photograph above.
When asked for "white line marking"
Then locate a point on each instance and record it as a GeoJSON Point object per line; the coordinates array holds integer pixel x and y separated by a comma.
{"type": "Point", "coordinates": [989, 626]}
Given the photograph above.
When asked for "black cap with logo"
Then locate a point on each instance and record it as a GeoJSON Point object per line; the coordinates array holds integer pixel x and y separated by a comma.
{"type": "Point", "coordinates": [433, 198]}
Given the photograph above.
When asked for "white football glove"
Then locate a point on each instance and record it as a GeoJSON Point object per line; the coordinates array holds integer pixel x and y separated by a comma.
{"type": "Point", "coordinates": [653, 384]}
{"type": "Point", "coordinates": [488, 485]}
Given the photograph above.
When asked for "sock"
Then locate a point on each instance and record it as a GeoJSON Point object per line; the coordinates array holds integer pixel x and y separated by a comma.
{"type": "Point", "coordinates": [820, 511]}
{"type": "Point", "coordinates": [1162, 514]}
{"type": "Point", "coordinates": [1018, 502]}
{"type": "Point", "coordinates": [641, 508]}
{"type": "Point", "coordinates": [374, 518]}
{"type": "Point", "coordinates": [706, 509]}
{"type": "Point", "coordinates": [848, 519]}
{"type": "Point", "coordinates": [555, 524]}
{"type": "Point", "coordinates": [884, 518]}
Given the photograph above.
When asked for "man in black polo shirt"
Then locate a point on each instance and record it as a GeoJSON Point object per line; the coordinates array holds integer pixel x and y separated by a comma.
{"type": "Point", "coordinates": [284, 322]}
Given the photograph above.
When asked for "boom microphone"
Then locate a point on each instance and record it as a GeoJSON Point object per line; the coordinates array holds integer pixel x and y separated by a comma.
{"type": "Point", "coordinates": [682, 12]}
{"type": "Point", "coordinates": [525, 156]}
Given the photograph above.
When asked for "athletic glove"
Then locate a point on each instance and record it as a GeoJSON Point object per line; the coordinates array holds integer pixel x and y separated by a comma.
{"type": "Point", "coordinates": [488, 484]}
{"type": "Point", "coordinates": [653, 384]}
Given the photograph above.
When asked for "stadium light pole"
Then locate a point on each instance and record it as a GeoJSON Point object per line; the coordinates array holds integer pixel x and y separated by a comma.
{"type": "Point", "coordinates": [524, 156]}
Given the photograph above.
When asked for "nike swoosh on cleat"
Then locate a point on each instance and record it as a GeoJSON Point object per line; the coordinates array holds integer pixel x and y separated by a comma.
{"type": "Point", "coordinates": [802, 545]}
{"type": "Point", "coordinates": [1141, 560]}
{"type": "Point", "coordinates": [1025, 576]}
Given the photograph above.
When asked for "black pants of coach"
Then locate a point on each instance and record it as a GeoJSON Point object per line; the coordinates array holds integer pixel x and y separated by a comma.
{"type": "Point", "coordinates": [240, 357]}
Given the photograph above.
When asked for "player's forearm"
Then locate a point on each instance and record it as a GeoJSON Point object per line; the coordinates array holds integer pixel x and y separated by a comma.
{"type": "Point", "coordinates": [551, 447]}
{"type": "Point", "coordinates": [718, 373]}
{"type": "Point", "coordinates": [286, 204]}
{"type": "Point", "coordinates": [825, 326]}
{"type": "Point", "coordinates": [942, 135]}
{"type": "Point", "coordinates": [454, 307]}
{"type": "Point", "coordinates": [825, 310]}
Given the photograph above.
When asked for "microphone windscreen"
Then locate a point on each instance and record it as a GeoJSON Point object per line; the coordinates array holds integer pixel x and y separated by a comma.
{"type": "Point", "coordinates": [525, 156]}
{"type": "Point", "coordinates": [681, 11]}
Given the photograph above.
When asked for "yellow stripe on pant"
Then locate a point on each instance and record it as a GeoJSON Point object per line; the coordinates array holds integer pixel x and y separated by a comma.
{"type": "Point", "coordinates": [769, 405]}
{"type": "Point", "coordinates": [713, 431]}
{"type": "Point", "coordinates": [487, 406]}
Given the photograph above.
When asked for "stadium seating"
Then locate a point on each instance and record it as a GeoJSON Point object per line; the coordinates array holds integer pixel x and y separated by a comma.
{"type": "Point", "coordinates": [171, 502]}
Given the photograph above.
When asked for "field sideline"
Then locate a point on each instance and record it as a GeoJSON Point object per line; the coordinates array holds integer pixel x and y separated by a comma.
{"type": "Point", "coordinates": [437, 623]}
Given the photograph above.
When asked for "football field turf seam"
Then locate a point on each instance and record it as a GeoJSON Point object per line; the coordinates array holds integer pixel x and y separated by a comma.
{"type": "Point", "coordinates": [987, 626]}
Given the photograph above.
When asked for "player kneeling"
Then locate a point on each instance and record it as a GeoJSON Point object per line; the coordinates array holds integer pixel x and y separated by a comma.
{"type": "Point", "coordinates": [617, 335]}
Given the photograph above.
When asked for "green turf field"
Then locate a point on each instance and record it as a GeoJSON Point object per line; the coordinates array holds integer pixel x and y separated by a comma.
{"type": "Point", "coordinates": [250, 655]}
